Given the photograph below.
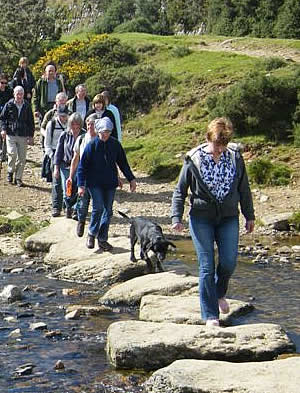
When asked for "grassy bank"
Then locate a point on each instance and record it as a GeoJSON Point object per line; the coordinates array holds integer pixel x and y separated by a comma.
{"type": "Point", "coordinates": [156, 141]}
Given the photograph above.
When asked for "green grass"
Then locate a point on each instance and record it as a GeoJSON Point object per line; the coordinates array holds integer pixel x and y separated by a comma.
{"type": "Point", "coordinates": [155, 142]}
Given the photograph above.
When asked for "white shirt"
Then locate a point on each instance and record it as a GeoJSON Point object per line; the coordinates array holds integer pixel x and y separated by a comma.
{"type": "Point", "coordinates": [51, 143]}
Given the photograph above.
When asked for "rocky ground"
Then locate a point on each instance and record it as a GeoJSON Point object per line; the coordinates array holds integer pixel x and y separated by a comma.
{"type": "Point", "coordinates": [152, 198]}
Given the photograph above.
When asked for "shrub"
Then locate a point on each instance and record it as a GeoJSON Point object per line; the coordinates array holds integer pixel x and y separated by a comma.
{"type": "Point", "coordinates": [138, 25]}
{"type": "Point", "coordinates": [258, 105]}
{"type": "Point", "coordinates": [181, 51]}
{"type": "Point", "coordinates": [272, 63]}
{"type": "Point", "coordinates": [134, 89]}
{"type": "Point", "coordinates": [264, 172]}
{"type": "Point", "coordinates": [295, 220]}
{"type": "Point", "coordinates": [78, 60]}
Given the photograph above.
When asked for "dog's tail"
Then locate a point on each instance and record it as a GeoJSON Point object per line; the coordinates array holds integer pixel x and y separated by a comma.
{"type": "Point", "coordinates": [124, 216]}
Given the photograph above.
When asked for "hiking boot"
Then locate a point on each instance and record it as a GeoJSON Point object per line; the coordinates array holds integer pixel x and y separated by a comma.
{"type": "Point", "coordinates": [104, 245]}
{"type": "Point", "coordinates": [90, 241]}
{"type": "Point", "coordinates": [19, 183]}
{"type": "Point", "coordinates": [55, 213]}
{"type": "Point", "coordinates": [10, 177]}
{"type": "Point", "coordinates": [68, 212]}
{"type": "Point", "coordinates": [80, 228]}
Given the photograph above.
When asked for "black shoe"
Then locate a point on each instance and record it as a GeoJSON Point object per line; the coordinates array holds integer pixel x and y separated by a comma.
{"type": "Point", "coordinates": [55, 213]}
{"type": "Point", "coordinates": [68, 212]}
{"type": "Point", "coordinates": [10, 177]}
{"type": "Point", "coordinates": [104, 245]}
{"type": "Point", "coordinates": [19, 183]}
{"type": "Point", "coordinates": [90, 241]}
{"type": "Point", "coordinates": [80, 228]}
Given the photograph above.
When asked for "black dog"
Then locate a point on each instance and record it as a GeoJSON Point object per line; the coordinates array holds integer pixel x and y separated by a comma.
{"type": "Point", "coordinates": [150, 237]}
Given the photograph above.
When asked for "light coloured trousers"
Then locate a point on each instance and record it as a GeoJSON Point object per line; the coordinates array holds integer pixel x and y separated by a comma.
{"type": "Point", "coordinates": [16, 154]}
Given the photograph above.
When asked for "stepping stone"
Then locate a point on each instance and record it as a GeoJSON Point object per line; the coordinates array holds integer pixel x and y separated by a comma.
{"type": "Point", "coordinates": [150, 345]}
{"type": "Point", "coordinates": [205, 376]}
{"type": "Point", "coordinates": [167, 283]}
{"type": "Point", "coordinates": [184, 309]}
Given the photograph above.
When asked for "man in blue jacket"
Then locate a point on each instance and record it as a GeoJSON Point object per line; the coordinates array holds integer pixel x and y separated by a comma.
{"type": "Point", "coordinates": [98, 171]}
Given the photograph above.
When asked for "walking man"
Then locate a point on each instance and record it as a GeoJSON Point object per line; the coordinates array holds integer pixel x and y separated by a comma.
{"type": "Point", "coordinates": [17, 126]}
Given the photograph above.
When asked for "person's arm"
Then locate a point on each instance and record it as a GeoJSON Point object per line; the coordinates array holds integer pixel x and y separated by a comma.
{"type": "Point", "coordinates": [246, 201]}
{"type": "Point", "coordinates": [36, 96]}
{"type": "Point", "coordinates": [48, 140]}
{"type": "Point", "coordinates": [178, 199]}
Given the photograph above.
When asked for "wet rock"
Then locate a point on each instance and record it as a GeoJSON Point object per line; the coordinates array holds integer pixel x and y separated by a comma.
{"type": "Point", "coordinates": [279, 222]}
{"type": "Point", "coordinates": [70, 292]}
{"type": "Point", "coordinates": [15, 333]}
{"type": "Point", "coordinates": [26, 314]}
{"type": "Point", "coordinates": [73, 315]}
{"type": "Point", "coordinates": [131, 292]}
{"type": "Point", "coordinates": [7, 269]}
{"type": "Point", "coordinates": [11, 293]}
{"type": "Point", "coordinates": [40, 269]}
{"type": "Point", "coordinates": [52, 333]}
{"type": "Point", "coordinates": [184, 309]}
{"type": "Point", "coordinates": [10, 319]}
{"type": "Point", "coordinates": [296, 249]}
{"type": "Point", "coordinates": [17, 270]}
{"type": "Point", "coordinates": [150, 345]}
{"type": "Point", "coordinates": [284, 250]}
{"type": "Point", "coordinates": [38, 326]}
{"type": "Point", "coordinates": [25, 369]}
{"type": "Point", "coordinates": [89, 310]}
{"type": "Point", "coordinates": [199, 376]}
{"type": "Point", "coordinates": [59, 365]}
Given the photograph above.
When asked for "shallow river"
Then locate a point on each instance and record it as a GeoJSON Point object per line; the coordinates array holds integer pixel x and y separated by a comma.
{"type": "Point", "coordinates": [273, 289]}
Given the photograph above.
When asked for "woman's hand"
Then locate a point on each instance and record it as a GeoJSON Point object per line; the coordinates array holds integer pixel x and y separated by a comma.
{"type": "Point", "coordinates": [178, 226]}
{"type": "Point", "coordinates": [249, 226]}
{"type": "Point", "coordinates": [132, 185]}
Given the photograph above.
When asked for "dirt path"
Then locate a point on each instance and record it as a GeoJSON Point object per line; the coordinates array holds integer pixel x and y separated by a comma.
{"type": "Point", "coordinates": [241, 46]}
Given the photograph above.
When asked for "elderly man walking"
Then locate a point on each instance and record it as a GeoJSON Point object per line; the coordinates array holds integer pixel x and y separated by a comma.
{"type": "Point", "coordinates": [17, 124]}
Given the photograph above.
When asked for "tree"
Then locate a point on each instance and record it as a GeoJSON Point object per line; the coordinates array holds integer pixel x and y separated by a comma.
{"type": "Point", "coordinates": [25, 25]}
{"type": "Point", "coordinates": [266, 15]}
{"type": "Point", "coordinates": [188, 13]}
{"type": "Point", "coordinates": [220, 16]}
{"type": "Point", "coordinates": [288, 21]}
{"type": "Point", "coordinates": [155, 12]}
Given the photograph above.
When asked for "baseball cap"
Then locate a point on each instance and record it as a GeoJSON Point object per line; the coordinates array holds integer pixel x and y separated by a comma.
{"type": "Point", "coordinates": [104, 125]}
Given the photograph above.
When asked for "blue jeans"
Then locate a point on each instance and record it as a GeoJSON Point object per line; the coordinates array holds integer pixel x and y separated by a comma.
{"type": "Point", "coordinates": [83, 206]}
{"type": "Point", "coordinates": [213, 282]}
{"type": "Point", "coordinates": [102, 202]}
{"type": "Point", "coordinates": [68, 201]}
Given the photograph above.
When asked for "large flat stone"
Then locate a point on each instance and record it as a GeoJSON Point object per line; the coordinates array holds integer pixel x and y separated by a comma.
{"type": "Point", "coordinates": [150, 345]}
{"type": "Point", "coordinates": [106, 270]}
{"type": "Point", "coordinates": [202, 376]}
{"type": "Point", "coordinates": [184, 309]}
{"type": "Point", "coordinates": [167, 283]}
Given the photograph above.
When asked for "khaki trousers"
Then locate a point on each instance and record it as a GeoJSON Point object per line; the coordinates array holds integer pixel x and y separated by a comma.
{"type": "Point", "coordinates": [16, 154]}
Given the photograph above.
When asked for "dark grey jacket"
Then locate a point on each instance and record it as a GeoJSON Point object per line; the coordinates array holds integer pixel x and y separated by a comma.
{"type": "Point", "coordinates": [202, 201]}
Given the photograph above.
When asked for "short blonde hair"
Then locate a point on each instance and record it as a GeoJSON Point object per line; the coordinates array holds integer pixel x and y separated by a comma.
{"type": "Point", "coordinates": [98, 99]}
{"type": "Point", "coordinates": [220, 130]}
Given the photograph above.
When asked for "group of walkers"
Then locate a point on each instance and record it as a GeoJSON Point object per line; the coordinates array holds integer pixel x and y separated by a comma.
{"type": "Point", "coordinates": [67, 127]}
{"type": "Point", "coordinates": [83, 155]}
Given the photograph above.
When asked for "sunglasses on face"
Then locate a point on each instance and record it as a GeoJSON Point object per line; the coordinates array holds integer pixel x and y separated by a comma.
{"type": "Point", "coordinates": [3, 82]}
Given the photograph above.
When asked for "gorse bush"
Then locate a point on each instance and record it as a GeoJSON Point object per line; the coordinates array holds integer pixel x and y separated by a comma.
{"type": "Point", "coordinates": [135, 89]}
{"type": "Point", "coordinates": [258, 105]}
{"type": "Point", "coordinates": [265, 172]}
{"type": "Point", "coordinates": [78, 60]}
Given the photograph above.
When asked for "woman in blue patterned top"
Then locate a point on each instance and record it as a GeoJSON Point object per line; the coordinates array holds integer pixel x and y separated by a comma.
{"type": "Point", "coordinates": [215, 174]}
